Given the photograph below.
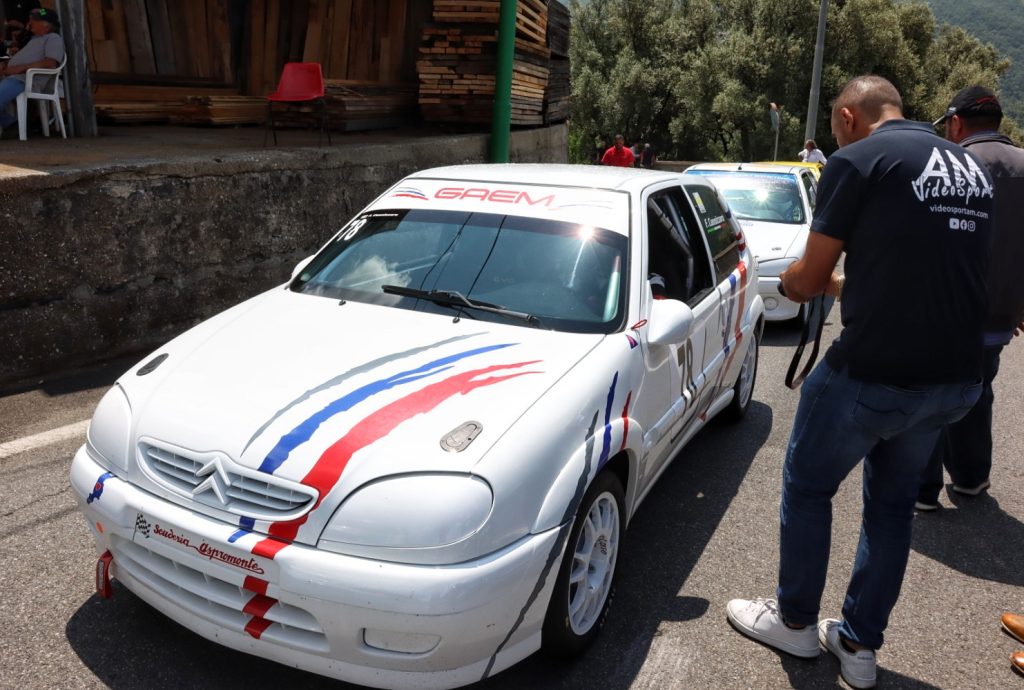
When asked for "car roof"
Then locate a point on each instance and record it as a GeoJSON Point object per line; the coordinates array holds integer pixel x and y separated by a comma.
{"type": "Point", "coordinates": [748, 167]}
{"type": "Point", "coordinates": [551, 174]}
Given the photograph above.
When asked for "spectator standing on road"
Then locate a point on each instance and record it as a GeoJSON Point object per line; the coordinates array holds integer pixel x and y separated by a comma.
{"type": "Point", "coordinates": [647, 157]}
{"type": "Point", "coordinates": [46, 49]}
{"type": "Point", "coordinates": [810, 153]}
{"type": "Point", "coordinates": [887, 384]}
{"type": "Point", "coordinates": [618, 154]}
{"type": "Point", "coordinates": [635, 150]}
{"type": "Point", "coordinates": [965, 447]}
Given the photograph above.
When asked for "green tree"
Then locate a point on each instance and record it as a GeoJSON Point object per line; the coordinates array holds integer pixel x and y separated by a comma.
{"type": "Point", "coordinates": [695, 77]}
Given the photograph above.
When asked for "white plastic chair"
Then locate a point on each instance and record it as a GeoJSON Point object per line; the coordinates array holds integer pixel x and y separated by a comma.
{"type": "Point", "coordinates": [49, 99]}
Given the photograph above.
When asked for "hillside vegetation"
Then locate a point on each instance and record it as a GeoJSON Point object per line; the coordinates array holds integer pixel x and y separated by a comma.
{"type": "Point", "coordinates": [696, 78]}
{"type": "Point", "coordinates": [1001, 23]}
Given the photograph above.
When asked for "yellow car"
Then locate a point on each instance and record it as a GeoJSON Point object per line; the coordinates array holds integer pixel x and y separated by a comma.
{"type": "Point", "coordinates": [813, 167]}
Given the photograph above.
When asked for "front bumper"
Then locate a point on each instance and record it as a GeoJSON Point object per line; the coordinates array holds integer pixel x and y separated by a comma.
{"type": "Point", "coordinates": [369, 622]}
{"type": "Point", "coordinates": [776, 307]}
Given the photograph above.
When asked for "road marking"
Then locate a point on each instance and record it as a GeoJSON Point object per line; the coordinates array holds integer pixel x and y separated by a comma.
{"type": "Point", "coordinates": [46, 438]}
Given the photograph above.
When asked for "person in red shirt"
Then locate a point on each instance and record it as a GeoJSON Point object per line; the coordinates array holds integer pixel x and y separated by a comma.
{"type": "Point", "coordinates": [618, 154]}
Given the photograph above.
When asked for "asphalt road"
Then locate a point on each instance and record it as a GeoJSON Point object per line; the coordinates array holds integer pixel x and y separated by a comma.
{"type": "Point", "coordinates": [707, 533]}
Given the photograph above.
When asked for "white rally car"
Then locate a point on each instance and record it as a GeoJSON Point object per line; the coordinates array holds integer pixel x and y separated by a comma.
{"type": "Point", "coordinates": [413, 464]}
{"type": "Point", "coordinates": [773, 203]}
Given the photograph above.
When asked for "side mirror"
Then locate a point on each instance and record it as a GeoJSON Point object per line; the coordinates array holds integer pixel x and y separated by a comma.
{"type": "Point", "coordinates": [301, 265]}
{"type": "Point", "coordinates": [669, 323]}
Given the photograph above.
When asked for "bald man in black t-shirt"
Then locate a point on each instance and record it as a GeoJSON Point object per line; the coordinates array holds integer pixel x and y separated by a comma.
{"type": "Point", "coordinates": [912, 211]}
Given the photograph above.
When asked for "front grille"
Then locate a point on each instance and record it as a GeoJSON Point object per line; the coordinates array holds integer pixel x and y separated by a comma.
{"type": "Point", "coordinates": [214, 599]}
{"type": "Point", "coordinates": [214, 480]}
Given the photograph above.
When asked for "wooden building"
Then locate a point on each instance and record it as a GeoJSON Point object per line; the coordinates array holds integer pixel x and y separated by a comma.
{"type": "Point", "coordinates": [386, 62]}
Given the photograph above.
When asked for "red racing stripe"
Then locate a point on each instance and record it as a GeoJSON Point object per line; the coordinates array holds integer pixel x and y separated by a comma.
{"type": "Point", "coordinates": [257, 626]}
{"type": "Point", "coordinates": [327, 470]}
{"type": "Point", "coordinates": [268, 548]}
{"type": "Point", "coordinates": [625, 421]}
{"type": "Point", "coordinates": [259, 605]}
{"type": "Point", "coordinates": [254, 584]}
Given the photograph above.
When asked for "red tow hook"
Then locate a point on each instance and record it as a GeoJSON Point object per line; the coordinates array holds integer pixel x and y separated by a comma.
{"type": "Point", "coordinates": [103, 587]}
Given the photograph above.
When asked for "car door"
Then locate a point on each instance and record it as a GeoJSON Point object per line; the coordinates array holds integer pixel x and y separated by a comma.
{"type": "Point", "coordinates": [678, 265]}
{"type": "Point", "coordinates": [722, 236]}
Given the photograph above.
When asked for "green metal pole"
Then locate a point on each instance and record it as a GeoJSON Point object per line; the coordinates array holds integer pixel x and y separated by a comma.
{"type": "Point", "coordinates": [501, 121]}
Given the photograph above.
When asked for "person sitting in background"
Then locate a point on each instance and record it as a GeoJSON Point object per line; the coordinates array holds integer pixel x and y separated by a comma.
{"type": "Point", "coordinates": [45, 49]}
{"type": "Point", "coordinates": [15, 18]}
{"type": "Point", "coordinates": [811, 153]}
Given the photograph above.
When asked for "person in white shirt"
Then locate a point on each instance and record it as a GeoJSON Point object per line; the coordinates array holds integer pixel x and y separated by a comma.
{"type": "Point", "coordinates": [811, 153]}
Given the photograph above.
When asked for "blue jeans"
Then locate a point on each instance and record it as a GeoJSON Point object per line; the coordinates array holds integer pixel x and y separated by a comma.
{"type": "Point", "coordinates": [9, 90]}
{"type": "Point", "coordinates": [838, 422]}
{"type": "Point", "coordinates": [964, 448]}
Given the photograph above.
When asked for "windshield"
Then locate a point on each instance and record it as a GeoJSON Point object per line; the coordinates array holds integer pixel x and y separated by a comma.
{"type": "Point", "coordinates": [766, 196]}
{"type": "Point", "coordinates": [568, 276]}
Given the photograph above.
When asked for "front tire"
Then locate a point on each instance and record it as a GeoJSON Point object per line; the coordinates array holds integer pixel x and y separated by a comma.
{"type": "Point", "coordinates": [743, 391]}
{"type": "Point", "coordinates": [586, 578]}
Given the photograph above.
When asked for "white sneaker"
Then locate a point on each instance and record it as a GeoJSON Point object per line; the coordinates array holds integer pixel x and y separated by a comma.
{"type": "Point", "coordinates": [857, 668]}
{"type": "Point", "coordinates": [972, 490]}
{"type": "Point", "coordinates": [761, 620]}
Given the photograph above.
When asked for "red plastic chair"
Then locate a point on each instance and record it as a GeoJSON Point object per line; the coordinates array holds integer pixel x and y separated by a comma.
{"type": "Point", "coordinates": [301, 82]}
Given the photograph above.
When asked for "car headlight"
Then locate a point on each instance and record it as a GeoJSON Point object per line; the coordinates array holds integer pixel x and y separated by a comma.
{"type": "Point", "coordinates": [774, 267]}
{"type": "Point", "coordinates": [409, 512]}
{"type": "Point", "coordinates": [109, 432]}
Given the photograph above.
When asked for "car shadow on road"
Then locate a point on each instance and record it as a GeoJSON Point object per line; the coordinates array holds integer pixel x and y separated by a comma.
{"type": "Point", "coordinates": [978, 539]}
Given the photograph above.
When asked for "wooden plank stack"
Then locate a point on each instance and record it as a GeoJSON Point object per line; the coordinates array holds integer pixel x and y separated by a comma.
{"type": "Point", "coordinates": [353, 105]}
{"type": "Point", "coordinates": [458, 63]}
{"type": "Point", "coordinates": [558, 98]}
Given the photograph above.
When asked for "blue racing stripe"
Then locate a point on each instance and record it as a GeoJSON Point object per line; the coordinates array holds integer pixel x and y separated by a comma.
{"type": "Point", "coordinates": [237, 535]}
{"type": "Point", "coordinates": [304, 431]}
{"type": "Point", "coordinates": [606, 444]}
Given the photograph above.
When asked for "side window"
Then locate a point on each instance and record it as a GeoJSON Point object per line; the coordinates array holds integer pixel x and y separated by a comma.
{"type": "Point", "coordinates": [811, 188]}
{"type": "Point", "coordinates": [677, 260]}
{"type": "Point", "coordinates": [716, 221]}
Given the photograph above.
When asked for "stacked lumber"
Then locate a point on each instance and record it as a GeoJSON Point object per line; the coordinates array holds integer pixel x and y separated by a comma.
{"type": "Point", "coordinates": [222, 110]}
{"type": "Point", "coordinates": [355, 106]}
{"type": "Point", "coordinates": [558, 28]}
{"type": "Point", "coordinates": [458, 62]}
{"type": "Point", "coordinates": [557, 99]}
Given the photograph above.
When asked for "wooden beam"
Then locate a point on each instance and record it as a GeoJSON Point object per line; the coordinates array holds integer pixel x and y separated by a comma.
{"type": "Point", "coordinates": [140, 45]}
{"type": "Point", "coordinates": [77, 85]}
{"type": "Point", "coordinates": [163, 40]}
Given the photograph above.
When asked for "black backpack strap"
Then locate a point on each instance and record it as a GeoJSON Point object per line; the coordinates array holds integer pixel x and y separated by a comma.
{"type": "Point", "coordinates": [816, 320]}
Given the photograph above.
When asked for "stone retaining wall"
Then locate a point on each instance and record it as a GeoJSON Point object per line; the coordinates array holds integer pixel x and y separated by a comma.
{"type": "Point", "coordinates": [109, 261]}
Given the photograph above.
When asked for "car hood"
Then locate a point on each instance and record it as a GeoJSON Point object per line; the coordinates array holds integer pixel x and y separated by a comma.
{"type": "Point", "coordinates": [334, 395]}
{"type": "Point", "coordinates": [774, 240]}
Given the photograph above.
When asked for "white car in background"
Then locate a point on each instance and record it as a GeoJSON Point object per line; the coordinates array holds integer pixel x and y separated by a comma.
{"type": "Point", "coordinates": [773, 203]}
{"type": "Point", "coordinates": [413, 464]}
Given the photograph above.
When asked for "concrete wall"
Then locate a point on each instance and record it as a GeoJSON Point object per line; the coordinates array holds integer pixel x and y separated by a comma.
{"type": "Point", "coordinates": [118, 259]}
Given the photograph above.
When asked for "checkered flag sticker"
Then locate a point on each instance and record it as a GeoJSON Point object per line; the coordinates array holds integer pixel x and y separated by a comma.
{"type": "Point", "coordinates": [142, 525]}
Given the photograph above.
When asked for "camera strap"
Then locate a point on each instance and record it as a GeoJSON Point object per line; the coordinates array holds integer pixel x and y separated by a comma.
{"type": "Point", "coordinates": [816, 311]}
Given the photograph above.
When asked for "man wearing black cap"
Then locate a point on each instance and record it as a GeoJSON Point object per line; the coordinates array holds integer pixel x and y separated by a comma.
{"type": "Point", "coordinates": [46, 49]}
{"type": "Point", "coordinates": [965, 447]}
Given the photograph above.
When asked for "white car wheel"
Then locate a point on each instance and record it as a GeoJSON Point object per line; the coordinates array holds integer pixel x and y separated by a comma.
{"type": "Point", "coordinates": [743, 391]}
{"type": "Point", "coordinates": [586, 578]}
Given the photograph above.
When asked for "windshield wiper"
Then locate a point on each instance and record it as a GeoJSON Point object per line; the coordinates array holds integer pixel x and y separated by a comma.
{"type": "Point", "coordinates": [450, 298]}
